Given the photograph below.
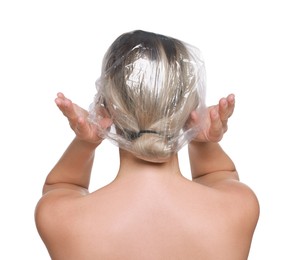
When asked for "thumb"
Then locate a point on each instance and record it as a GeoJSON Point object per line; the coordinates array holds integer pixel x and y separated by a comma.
{"type": "Point", "coordinates": [105, 123]}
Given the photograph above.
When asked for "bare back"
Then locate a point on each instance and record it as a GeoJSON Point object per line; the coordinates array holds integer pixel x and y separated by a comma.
{"type": "Point", "coordinates": [153, 218]}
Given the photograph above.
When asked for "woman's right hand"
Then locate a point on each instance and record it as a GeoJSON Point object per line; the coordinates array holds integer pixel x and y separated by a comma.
{"type": "Point", "coordinates": [216, 120]}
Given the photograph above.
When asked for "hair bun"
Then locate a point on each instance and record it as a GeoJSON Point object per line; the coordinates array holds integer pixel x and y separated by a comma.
{"type": "Point", "coordinates": [152, 146]}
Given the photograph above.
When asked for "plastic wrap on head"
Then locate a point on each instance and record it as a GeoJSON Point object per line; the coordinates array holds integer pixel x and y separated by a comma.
{"type": "Point", "coordinates": [149, 86]}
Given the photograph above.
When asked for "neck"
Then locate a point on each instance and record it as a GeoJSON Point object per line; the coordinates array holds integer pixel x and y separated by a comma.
{"type": "Point", "coordinates": [131, 165]}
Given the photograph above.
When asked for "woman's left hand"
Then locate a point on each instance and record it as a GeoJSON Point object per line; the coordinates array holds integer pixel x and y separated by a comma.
{"type": "Point", "coordinates": [78, 120]}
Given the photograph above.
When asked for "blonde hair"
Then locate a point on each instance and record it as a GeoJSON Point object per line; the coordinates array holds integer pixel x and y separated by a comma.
{"type": "Point", "coordinates": [149, 85]}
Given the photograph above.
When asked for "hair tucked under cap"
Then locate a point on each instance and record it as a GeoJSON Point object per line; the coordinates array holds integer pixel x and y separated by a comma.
{"type": "Point", "coordinates": [150, 83]}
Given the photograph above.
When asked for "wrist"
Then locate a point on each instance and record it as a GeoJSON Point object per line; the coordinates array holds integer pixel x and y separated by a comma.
{"type": "Point", "coordinates": [196, 142]}
{"type": "Point", "coordinates": [204, 147]}
{"type": "Point", "coordinates": [87, 144]}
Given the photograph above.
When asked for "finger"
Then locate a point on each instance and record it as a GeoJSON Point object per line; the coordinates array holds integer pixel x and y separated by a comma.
{"type": "Point", "coordinates": [226, 107]}
{"type": "Point", "coordinates": [215, 132]}
{"type": "Point", "coordinates": [60, 95]}
{"type": "Point", "coordinates": [223, 108]}
{"type": "Point", "coordinates": [231, 103]}
{"type": "Point", "coordinates": [60, 100]}
{"type": "Point", "coordinates": [67, 108]}
{"type": "Point", "coordinates": [193, 120]}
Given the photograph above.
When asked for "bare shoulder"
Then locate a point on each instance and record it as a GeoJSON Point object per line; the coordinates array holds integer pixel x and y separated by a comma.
{"type": "Point", "coordinates": [232, 191]}
{"type": "Point", "coordinates": [241, 196]}
{"type": "Point", "coordinates": [57, 201]}
{"type": "Point", "coordinates": [239, 200]}
{"type": "Point", "coordinates": [53, 216]}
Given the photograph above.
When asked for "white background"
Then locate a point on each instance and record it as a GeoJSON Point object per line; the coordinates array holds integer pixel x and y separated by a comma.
{"type": "Point", "coordinates": [251, 48]}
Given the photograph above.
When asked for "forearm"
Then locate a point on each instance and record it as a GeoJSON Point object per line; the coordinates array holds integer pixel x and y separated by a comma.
{"type": "Point", "coordinates": [74, 167]}
{"type": "Point", "coordinates": [208, 158]}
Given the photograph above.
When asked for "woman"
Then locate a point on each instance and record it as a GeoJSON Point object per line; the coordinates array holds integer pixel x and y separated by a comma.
{"type": "Point", "coordinates": [150, 102]}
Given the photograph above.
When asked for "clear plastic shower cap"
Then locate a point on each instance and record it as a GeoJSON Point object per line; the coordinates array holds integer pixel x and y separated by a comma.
{"type": "Point", "coordinates": [149, 86]}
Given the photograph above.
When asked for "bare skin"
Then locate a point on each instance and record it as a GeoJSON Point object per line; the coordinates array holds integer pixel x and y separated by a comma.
{"type": "Point", "coordinates": [150, 211]}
